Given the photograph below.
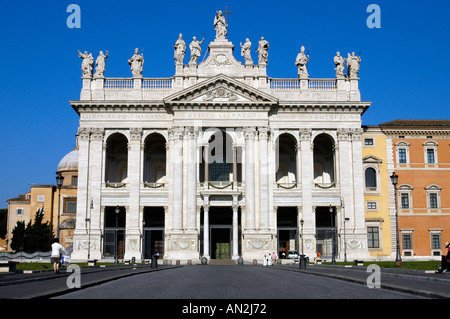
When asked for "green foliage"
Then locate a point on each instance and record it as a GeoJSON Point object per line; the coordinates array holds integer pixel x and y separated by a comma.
{"type": "Point", "coordinates": [3, 225]}
{"type": "Point", "coordinates": [34, 237]}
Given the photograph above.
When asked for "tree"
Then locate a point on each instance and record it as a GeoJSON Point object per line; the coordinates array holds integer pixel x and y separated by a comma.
{"type": "Point", "coordinates": [34, 237]}
{"type": "Point", "coordinates": [18, 236]}
{"type": "Point", "coordinates": [3, 218]}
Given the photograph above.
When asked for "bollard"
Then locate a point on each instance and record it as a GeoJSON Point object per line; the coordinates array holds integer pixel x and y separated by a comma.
{"type": "Point", "coordinates": [302, 262]}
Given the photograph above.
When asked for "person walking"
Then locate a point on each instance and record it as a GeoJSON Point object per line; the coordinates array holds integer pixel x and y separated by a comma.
{"type": "Point", "coordinates": [274, 259]}
{"type": "Point", "coordinates": [56, 254]}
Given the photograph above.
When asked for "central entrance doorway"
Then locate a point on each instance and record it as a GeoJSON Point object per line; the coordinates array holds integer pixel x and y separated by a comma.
{"type": "Point", "coordinates": [326, 232]}
{"type": "Point", "coordinates": [287, 230]}
{"type": "Point", "coordinates": [153, 223]}
{"type": "Point", "coordinates": [220, 232]}
{"type": "Point", "coordinates": [220, 242]}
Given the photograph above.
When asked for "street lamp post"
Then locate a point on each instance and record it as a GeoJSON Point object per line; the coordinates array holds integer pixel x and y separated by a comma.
{"type": "Point", "coordinates": [302, 260]}
{"type": "Point", "coordinates": [398, 258]}
{"type": "Point", "coordinates": [59, 183]}
{"type": "Point", "coordinates": [116, 260]}
{"type": "Point", "coordinates": [89, 231]}
{"type": "Point", "coordinates": [333, 258]}
{"type": "Point", "coordinates": [143, 240]}
{"type": "Point", "coordinates": [345, 219]}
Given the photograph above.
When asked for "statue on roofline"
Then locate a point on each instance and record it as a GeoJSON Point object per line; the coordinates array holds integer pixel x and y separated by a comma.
{"type": "Point", "coordinates": [137, 64]}
{"type": "Point", "coordinates": [180, 49]}
{"type": "Point", "coordinates": [353, 63]}
{"type": "Point", "coordinates": [245, 51]}
{"type": "Point", "coordinates": [301, 62]}
{"type": "Point", "coordinates": [263, 51]}
{"type": "Point", "coordinates": [196, 49]}
{"type": "Point", "coordinates": [87, 64]}
{"type": "Point", "coordinates": [101, 65]}
{"type": "Point", "coordinates": [339, 65]}
{"type": "Point", "coordinates": [220, 24]}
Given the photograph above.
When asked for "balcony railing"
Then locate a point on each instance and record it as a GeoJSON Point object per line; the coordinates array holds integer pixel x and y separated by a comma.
{"type": "Point", "coordinates": [295, 84]}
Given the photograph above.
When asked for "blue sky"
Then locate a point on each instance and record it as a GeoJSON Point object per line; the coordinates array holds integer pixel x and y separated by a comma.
{"type": "Point", "coordinates": [405, 68]}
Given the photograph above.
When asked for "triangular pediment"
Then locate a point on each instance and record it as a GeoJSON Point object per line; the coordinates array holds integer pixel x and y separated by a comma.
{"type": "Point", "coordinates": [220, 89]}
{"type": "Point", "coordinates": [372, 159]}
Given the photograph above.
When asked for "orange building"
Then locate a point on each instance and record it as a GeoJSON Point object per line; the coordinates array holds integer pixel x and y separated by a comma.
{"type": "Point", "coordinates": [50, 200]}
{"type": "Point", "coordinates": [419, 153]}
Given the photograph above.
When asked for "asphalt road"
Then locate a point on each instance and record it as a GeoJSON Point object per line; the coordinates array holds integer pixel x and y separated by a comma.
{"type": "Point", "coordinates": [231, 282]}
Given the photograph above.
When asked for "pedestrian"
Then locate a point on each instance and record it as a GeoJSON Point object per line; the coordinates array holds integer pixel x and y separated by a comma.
{"type": "Point", "coordinates": [55, 257]}
{"type": "Point", "coordinates": [445, 260]}
{"type": "Point", "coordinates": [274, 259]}
{"type": "Point", "coordinates": [265, 261]}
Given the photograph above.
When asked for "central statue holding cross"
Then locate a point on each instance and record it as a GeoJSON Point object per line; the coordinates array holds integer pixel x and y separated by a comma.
{"type": "Point", "coordinates": [220, 24]}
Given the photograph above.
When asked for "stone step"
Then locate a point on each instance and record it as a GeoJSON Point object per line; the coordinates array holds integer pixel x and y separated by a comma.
{"type": "Point", "coordinates": [222, 262]}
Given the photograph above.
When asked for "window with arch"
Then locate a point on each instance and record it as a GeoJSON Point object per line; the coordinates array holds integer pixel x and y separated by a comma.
{"type": "Point", "coordinates": [116, 165]}
{"type": "Point", "coordinates": [371, 169]}
{"type": "Point", "coordinates": [154, 159]}
{"type": "Point", "coordinates": [286, 160]}
{"type": "Point", "coordinates": [371, 178]}
{"type": "Point", "coordinates": [324, 160]}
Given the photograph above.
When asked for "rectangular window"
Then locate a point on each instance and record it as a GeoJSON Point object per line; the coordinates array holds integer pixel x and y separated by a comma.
{"type": "Point", "coordinates": [19, 211]}
{"type": "Point", "coordinates": [368, 141]}
{"type": "Point", "coordinates": [41, 198]}
{"type": "Point", "coordinates": [371, 205]}
{"type": "Point", "coordinates": [373, 237]}
{"type": "Point", "coordinates": [435, 241]}
{"type": "Point", "coordinates": [433, 200]}
{"type": "Point", "coordinates": [402, 155]}
{"type": "Point", "coordinates": [407, 241]}
{"type": "Point", "coordinates": [404, 201]}
{"type": "Point", "coordinates": [430, 156]}
{"type": "Point", "coordinates": [75, 181]}
{"type": "Point", "coordinates": [71, 207]}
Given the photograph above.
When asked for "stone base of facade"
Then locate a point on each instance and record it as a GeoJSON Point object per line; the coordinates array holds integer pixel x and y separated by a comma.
{"type": "Point", "coordinates": [182, 247]}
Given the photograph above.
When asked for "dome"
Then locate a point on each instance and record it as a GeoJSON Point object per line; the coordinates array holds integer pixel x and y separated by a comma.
{"type": "Point", "coordinates": [69, 162]}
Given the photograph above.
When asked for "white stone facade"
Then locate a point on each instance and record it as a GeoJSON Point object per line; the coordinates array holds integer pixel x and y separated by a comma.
{"type": "Point", "coordinates": [292, 153]}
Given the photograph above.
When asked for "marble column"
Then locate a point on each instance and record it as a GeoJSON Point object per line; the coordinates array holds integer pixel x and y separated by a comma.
{"type": "Point", "coordinates": [96, 169]}
{"type": "Point", "coordinates": [235, 254]}
{"type": "Point", "coordinates": [206, 161]}
{"type": "Point", "coordinates": [83, 178]}
{"type": "Point", "coordinates": [307, 160]}
{"type": "Point", "coordinates": [177, 160]}
{"type": "Point", "coordinates": [191, 166]}
{"type": "Point", "coordinates": [249, 134]}
{"type": "Point", "coordinates": [263, 179]}
{"type": "Point", "coordinates": [358, 181]}
{"type": "Point", "coordinates": [206, 230]}
{"type": "Point", "coordinates": [132, 231]}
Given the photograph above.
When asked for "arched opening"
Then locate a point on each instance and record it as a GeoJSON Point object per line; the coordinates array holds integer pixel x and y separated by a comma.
{"type": "Point", "coordinates": [221, 162]}
{"type": "Point", "coordinates": [155, 159]}
{"type": "Point", "coordinates": [324, 160]}
{"type": "Point", "coordinates": [371, 178]}
{"type": "Point", "coordinates": [286, 160]}
{"type": "Point", "coordinates": [116, 166]}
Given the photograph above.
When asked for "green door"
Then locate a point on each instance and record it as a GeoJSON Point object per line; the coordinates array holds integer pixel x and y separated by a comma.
{"type": "Point", "coordinates": [222, 250]}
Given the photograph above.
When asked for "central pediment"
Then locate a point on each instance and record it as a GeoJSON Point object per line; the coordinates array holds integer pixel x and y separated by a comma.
{"type": "Point", "coordinates": [222, 90]}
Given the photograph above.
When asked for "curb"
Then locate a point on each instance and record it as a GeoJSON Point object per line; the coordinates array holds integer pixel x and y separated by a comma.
{"type": "Point", "coordinates": [416, 292]}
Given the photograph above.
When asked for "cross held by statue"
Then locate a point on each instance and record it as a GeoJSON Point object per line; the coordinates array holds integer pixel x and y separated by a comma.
{"type": "Point", "coordinates": [226, 14]}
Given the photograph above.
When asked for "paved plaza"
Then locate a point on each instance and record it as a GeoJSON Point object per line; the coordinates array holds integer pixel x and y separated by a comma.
{"type": "Point", "coordinates": [224, 282]}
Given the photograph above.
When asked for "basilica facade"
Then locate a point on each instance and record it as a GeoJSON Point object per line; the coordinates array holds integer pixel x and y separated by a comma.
{"type": "Point", "coordinates": [221, 160]}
